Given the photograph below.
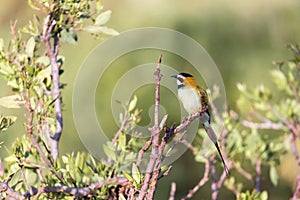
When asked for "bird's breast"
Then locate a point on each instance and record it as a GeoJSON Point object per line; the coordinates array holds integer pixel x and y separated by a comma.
{"type": "Point", "coordinates": [190, 99]}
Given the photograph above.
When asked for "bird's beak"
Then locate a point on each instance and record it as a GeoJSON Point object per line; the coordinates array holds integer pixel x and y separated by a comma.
{"type": "Point", "coordinates": [174, 76]}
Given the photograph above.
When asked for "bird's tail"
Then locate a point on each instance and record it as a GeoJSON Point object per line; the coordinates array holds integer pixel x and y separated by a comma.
{"type": "Point", "coordinates": [211, 134]}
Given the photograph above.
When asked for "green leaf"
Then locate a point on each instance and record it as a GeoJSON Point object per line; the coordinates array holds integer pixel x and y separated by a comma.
{"type": "Point", "coordinates": [274, 175]}
{"type": "Point", "coordinates": [264, 195]}
{"type": "Point", "coordinates": [69, 36]}
{"type": "Point", "coordinates": [11, 159]}
{"type": "Point", "coordinates": [30, 47]}
{"type": "Point", "coordinates": [45, 74]}
{"type": "Point", "coordinates": [65, 159]}
{"type": "Point", "coordinates": [31, 4]}
{"type": "Point", "coordinates": [99, 7]}
{"type": "Point", "coordinates": [110, 151]}
{"type": "Point", "coordinates": [11, 101]}
{"type": "Point", "coordinates": [101, 30]}
{"type": "Point", "coordinates": [129, 178]}
{"type": "Point", "coordinates": [132, 104]}
{"type": "Point", "coordinates": [6, 69]}
{"type": "Point", "coordinates": [122, 141]}
{"type": "Point", "coordinates": [31, 177]}
{"type": "Point", "coordinates": [16, 178]}
{"type": "Point", "coordinates": [103, 18]}
{"type": "Point", "coordinates": [43, 60]}
{"type": "Point", "coordinates": [136, 173]}
{"type": "Point", "coordinates": [279, 78]}
{"type": "Point", "coordinates": [6, 122]}
{"type": "Point", "coordinates": [1, 44]}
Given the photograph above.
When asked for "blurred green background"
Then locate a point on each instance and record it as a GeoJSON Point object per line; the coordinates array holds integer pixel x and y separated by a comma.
{"type": "Point", "coordinates": [242, 37]}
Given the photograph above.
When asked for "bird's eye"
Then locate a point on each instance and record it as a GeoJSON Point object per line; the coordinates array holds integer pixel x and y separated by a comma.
{"type": "Point", "coordinates": [180, 79]}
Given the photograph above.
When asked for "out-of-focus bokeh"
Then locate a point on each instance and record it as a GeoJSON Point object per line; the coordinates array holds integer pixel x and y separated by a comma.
{"type": "Point", "coordinates": [242, 37]}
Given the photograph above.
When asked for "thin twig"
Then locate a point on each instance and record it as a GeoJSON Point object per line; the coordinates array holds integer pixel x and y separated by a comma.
{"type": "Point", "coordinates": [166, 173]}
{"type": "Point", "coordinates": [142, 151]}
{"type": "Point", "coordinates": [263, 125]}
{"type": "Point", "coordinates": [200, 183]}
{"type": "Point", "coordinates": [75, 192]}
{"type": "Point", "coordinates": [13, 28]}
{"type": "Point", "coordinates": [294, 148]}
{"type": "Point", "coordinates": [258, 174]}
{"type": "Point", "coordinates": [29, 131]}
{"type": "Point", "coordinates": [214, 184]}
{"type": "Point", "coordinates": [23, 177]}
{"type": "Point", "coordinates": [172, 191]}
{"type": "Point", "coordinates": [296, 194]}
{"type": "Point", "coordinates": [295, 91]}
{"type": "Point", "coordinates": [9, 191]}
{"type": "Point", "coordinates": [243, 172]}
{"type": "Point", "coordinates": [187, 121]}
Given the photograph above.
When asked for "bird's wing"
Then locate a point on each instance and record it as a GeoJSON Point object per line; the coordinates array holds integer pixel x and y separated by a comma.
{"type": "Point", "coordinates": [203, 95]}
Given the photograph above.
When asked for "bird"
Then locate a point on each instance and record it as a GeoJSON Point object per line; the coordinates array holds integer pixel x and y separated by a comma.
{"type": "Point", "coordinates": [195, 99]}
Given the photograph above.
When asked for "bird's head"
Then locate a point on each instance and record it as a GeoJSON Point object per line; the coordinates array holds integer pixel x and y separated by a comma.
{"type": "Point", "coordinates": [185, 80]}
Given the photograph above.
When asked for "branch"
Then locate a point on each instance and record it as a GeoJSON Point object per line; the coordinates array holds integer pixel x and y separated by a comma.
{"type": "Point", "coordinates": [294, 148]}
{"type": "Point", "coordinates": [200, 183]}
{"type": "Point", "coordinates": [29, 131]}
{"type": "Point", "coordinates": [157, 169]}
{"type": "Point", "coordinates": [243, 172]}
{"type": "Point", "coordinates": [148, 143]}
{"type": "Point", "coordinates": [142, 151]}
{"type": "Point", "coordinates": [258, 174]}
{"type": "Point", "coordinates": [155, 132]}
{"type": "Point", "coordinates": [263, 125]}
{"type": "Point", "coordinates": [214, 184]}
{"type": "Point", "coordinates": [52, 52]}
{"type": "Point", "coordinates": [173, 191]}
{"type": "Point", "coordinates": [75, 192]}
{"type": "Point", "coordinates": [122, 128]}
{"type": "Point", "coordinates": [158, 76]}
{"type": "Point", "coordinates": [166, 173]}
{"type": "Point", "coordinates": [10, 192]}
{"type": "Point", "coordinates": [296, 194]}
{"type": "Point", "coordinates": [187, 121]}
